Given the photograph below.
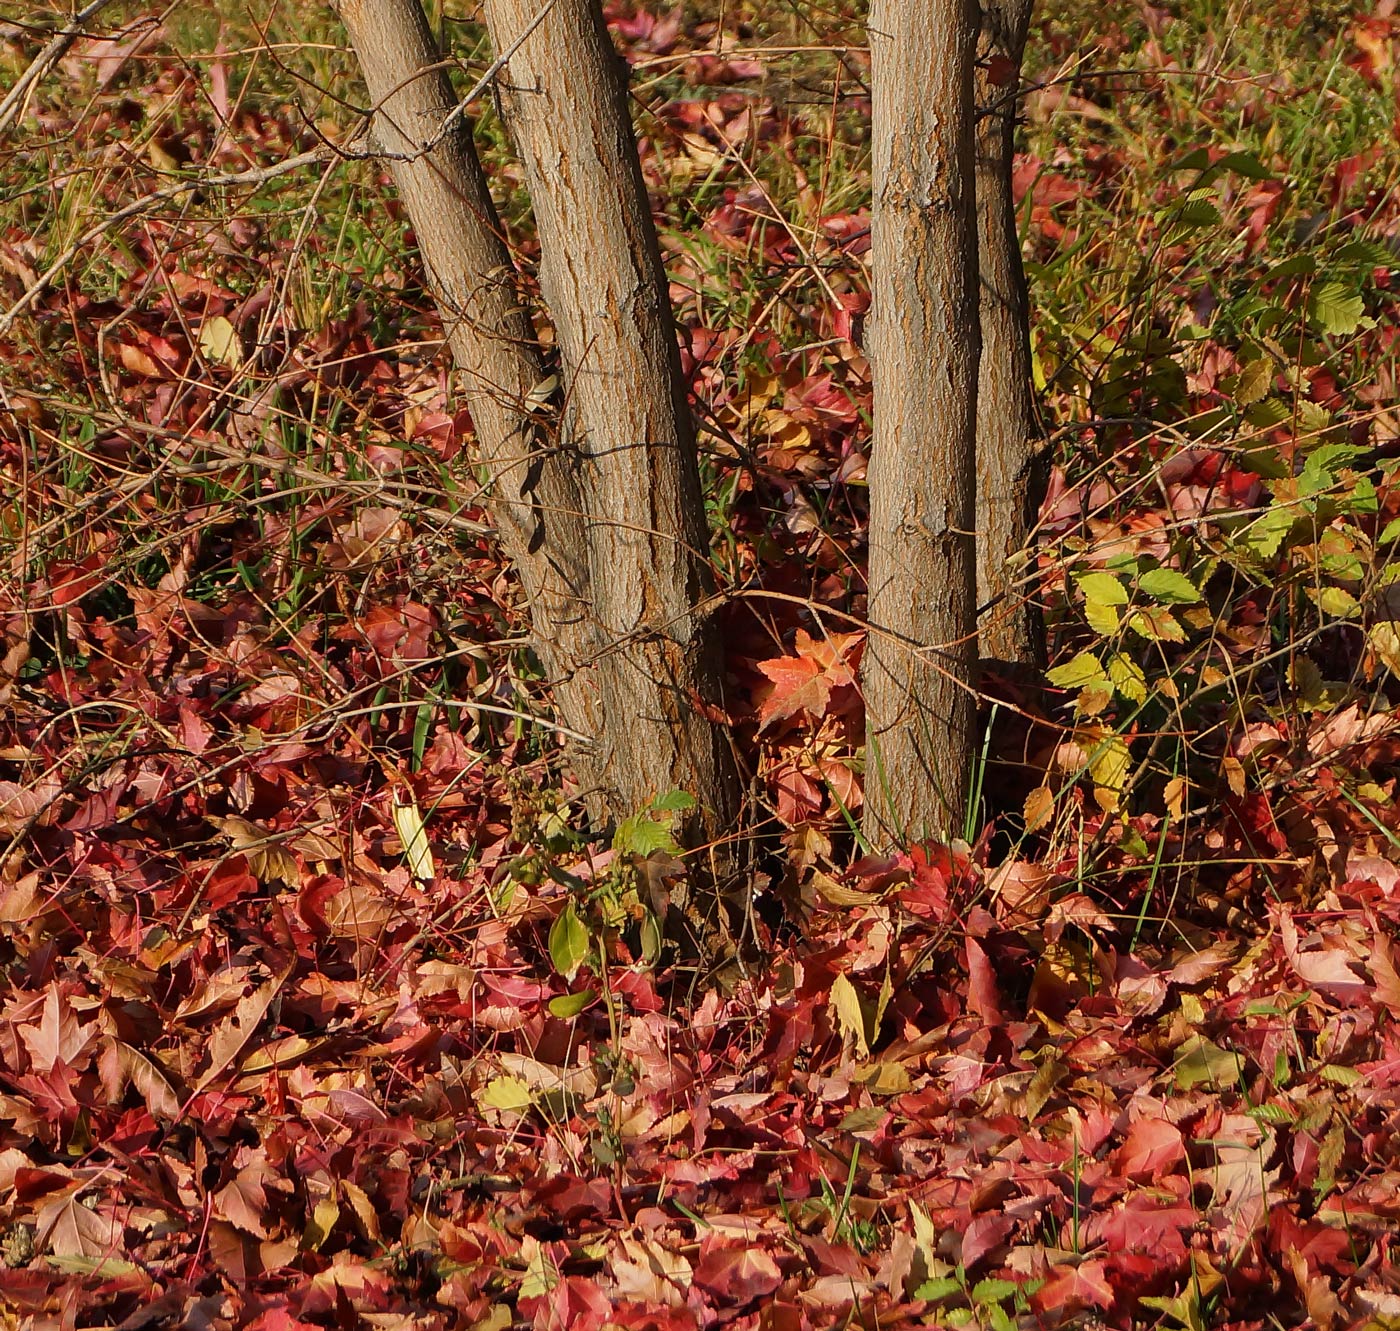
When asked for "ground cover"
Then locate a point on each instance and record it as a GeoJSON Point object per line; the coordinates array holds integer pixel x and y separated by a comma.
{"type": "Point", "coordinates": [316, 1008]}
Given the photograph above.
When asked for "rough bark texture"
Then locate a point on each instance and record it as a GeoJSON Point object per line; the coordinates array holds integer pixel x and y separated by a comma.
{"type": "Point", "coordinates": [534, 497]}
{"type": "Point", "coordinates": [923, 340]}
{"type": "Point", "coordinates": [563, 98]}
{"type": "Point", "coordinates": [1010, 470]}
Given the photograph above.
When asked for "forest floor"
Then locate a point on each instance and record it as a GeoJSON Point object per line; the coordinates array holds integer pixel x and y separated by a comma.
{"type": "Point", "coordinates": [307, 1018]}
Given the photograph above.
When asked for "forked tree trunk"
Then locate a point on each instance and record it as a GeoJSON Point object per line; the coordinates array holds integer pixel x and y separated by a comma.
{"type": "Point", "coordinates": [923, 340]}
{"type": "Point", "coordinates": [604, 521]}
{"type": "Point", "coordinates": [563, 100]}
{"type": "Point", "coordinates": [1010, 472]}
{"type": "Point", "coordinates": [534, 498]}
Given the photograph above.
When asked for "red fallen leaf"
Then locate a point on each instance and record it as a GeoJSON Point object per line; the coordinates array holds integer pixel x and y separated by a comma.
{"type": "Point", "coordinates": [1152, 1148]}
{"type": "Point", "coordinates": [1073, 1288]}
{"type": "Point", "coordinates": [985, 1235]}
{"type": "Point", "coordinates": [736, 1274]}
{"type": "Point", "coordinates": [57, 1037]}
{"type": "Point", "coordinates": [1143, 1224]}
{"type": "Point", "coordinates": [982, 996]}
{"type": "Point", "coordinates": [575, 1302]}
{"type": "Point", "coordinates": [804, 682]}
{"type": "Point", "coordinates": [1381, 964]}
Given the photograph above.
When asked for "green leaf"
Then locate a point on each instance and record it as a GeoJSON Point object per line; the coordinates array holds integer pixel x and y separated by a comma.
{"type": "Point", "coordinates": [674, 801]}
{"type": "Point", "coordinates": [568, 942]}
{"type": "Point", "coordinates": [1270, 412]}
{"type": "Point", "coordinates": [1083, 669]}
{"type": "Point", "coordinates": [1168, 587]}
{"type": "Point", "coordinates": [641, 834]}
{"type": "Point", "coordinates": [1197, 213]}
{"type": "Point", "coordinates": [651, 938]}
{"type": "Point", "coordinates": [1204, 1061]}
{"type": "Point", "coordinates": [1390, 532]}
{"type": "Point", "coordinates": [570, 1005]}
{"type": "Point", "coordinates": [1335, 603]}
{"type": "Point", "coordinates": [1198, 159]}
{"type": "Point", "coordinates": [993, 1291]}
{"type": "Point", "coordinates": [933, 1291]}
{"type": "Point", "coordinates": [1244, 164]}
{"type": "Point", "coordinates": [1254, 381]}
{"type": "Point", "coordinates": [1103, 588]}
{"type": "Point", "coordinates": [1265, 536]}
{"type": "Point", "coordinates": [1336, 308]}
{"type": "Point", "coordinates": [1103, 619]}
{"type": "Point", "coordinates": [1128, 678]}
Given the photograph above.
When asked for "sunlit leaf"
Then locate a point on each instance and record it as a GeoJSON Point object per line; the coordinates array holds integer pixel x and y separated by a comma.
{"type": "Point", "coordinates": [568, 942]}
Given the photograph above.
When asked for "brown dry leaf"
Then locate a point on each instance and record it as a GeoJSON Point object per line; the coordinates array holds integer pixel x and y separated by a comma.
{"type": "Point", "coordinates": [67, 1228]}
{"type": "Point", "coordinates": [267, 860]}
{"type": "Point", "coordinates": [234, 1033]}
{"type": "Point", "coordinates": [1039, 805]}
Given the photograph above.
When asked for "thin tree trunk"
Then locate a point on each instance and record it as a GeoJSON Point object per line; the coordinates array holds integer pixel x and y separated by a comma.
{"type": "Point", "coordinates": [563, 100]}
{"type": "Point", "coordinates": [534, 498]}
{"type": "Point", "coordinates": [1010, 474]}
{"type": "Point", "coordinates": [923, 341]}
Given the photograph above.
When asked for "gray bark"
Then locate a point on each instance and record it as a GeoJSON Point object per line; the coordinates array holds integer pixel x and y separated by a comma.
{"type": "Point", "coordinates": [534, 497]}
{"type": "Point", "coordinates": [923, 341]}
{"type": "Point", "coordinates": [563, 100]}
{"type": "Point", "coordinates": [1010, 460]}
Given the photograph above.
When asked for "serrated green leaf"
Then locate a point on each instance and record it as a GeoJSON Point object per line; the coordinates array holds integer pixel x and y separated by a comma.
{"type": "Point", "coordinates": [1269, 413]}
{"type": "Point", "coordinates": [1197, 213]}
{"type": "Point", "coordinates": [1168, 587]}
{"type": "Point", "coordinates": [1339, 1075]}
{"type": "Point", "coordinates": [1244, 164]}
{"type": "Point", "coordinates": [1390, 532]}
{"type": "Point", "coordinates": [992, 1290]}
{"type": "Point", "coordinates": [674, 801]}
{"type": "Point", "coordinates": [1103, 588]}
{"type": "Point", "coordinates": [1336, 307]}
{"type": "Point", "coordinates": [1128, 677]}
{"type": "Point", "coordinates": [1103, 619]}
{"type": "Point", "coordinates": [1083, 669]}
{"type": "Point", "coordinates": [642, 834]}
{"type": "Point", "coordinates": [1265, 536]}
{"type": "Point", "coordinates": [570, 1005]}
{"type": "Point", "coordinates": [933, 1291]}
{"type": "Point", "coordinates": [568, 942]}
{"type": "Point", "coordinates": [1254, 381]}
{"type": "Point", "coordinates": [1335, 603]}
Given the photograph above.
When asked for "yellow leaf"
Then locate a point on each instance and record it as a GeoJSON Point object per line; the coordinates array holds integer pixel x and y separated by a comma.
{"type": "Point", "coordinates": [850, 1017]}
{"type": "Point", "coordinates": [1174, 796]}
{"type": "Point", "coordinates": [506, 1093]}
{"type": "Point", "coordinates": [1040, 803]}
{"type": "Point", "coordinates": [408, 823]}
{"type": "Point", "coordinates": [219, 342]}
{"type": "Point", "coordinates": [1233, 771]}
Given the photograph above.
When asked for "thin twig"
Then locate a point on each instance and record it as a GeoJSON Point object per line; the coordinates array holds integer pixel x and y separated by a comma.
{"type": "Point", "coordinates": [56, 49]}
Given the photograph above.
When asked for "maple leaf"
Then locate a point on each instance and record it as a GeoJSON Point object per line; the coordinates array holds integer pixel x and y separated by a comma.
{"type": "Point", "coordinates": [1071, 1289]}
{"type": "Point", "coordinates": [58, 1037]}
{"type": "Point", "coordinates": [803, 683]}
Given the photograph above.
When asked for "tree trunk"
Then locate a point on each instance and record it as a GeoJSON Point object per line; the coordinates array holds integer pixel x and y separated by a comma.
{"type": "Point", "coordinates": [563, 99]}
{"type": "Point", "coordinates": [534, 497]}
{"type": "Point", "coordinates": [1010, 474]}
{"type": "Point", "coordinates": [923, 341]}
